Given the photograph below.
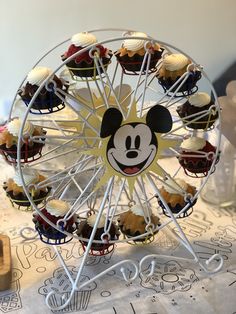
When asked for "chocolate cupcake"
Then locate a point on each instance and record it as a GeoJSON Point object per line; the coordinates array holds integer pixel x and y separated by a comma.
{"type": "Point", "coordinates": [197, 156]}
{"type": "Point", "coordinates": [30, 150]}
{"type": "Point", "coordinates": [177, 194]}
{"type": "Point", "coordinates": [85, 229]}
{"type": "Point", "coordinates": [173, 67]}
{"type": "Point", "coordinates": [83, 64]}
{"type": "Point", "coordinates": [197, 105]}
{"type": "Point", "coordinates": [15, 192]}
{"type": "Point", "coordinates": [131, 55]}
{"type": "Point", "coordinates": [54, 211]}
{"type": "Point", "coordinates": [46, 101]}
{"type": "Point", "coordinates": [132, 223]}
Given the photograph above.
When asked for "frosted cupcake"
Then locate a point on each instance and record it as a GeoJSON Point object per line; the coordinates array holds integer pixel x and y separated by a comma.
{"type": "Point", "coordinates": [30, 150]}
{"type": "Point", "coordinates": [54, 211]}
{"type": "Point", "coordinates": [46, 101]}
{"type": "Point", "coordinates": [197, 104]}
{"type": "Point", "coordinates": [177, 194]}
{"type": "Point", "coordinates": [197, 156]}
{"type": "Point", "coordinates": [173, 67]}
{"type": "Point", "coordinates": [14, 188]}
{"type": "Point", "coordinates": [132, 223]}
{"type": "Point", "coordinates": [85, 229]}
{"type": "Point", "coordinates": [83, 64]}
{"type": "Point", "coordinates": [132, 52]}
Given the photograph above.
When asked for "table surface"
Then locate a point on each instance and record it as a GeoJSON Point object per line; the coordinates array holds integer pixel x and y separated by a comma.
{"type": "Point", "coordinates": [178, 285]}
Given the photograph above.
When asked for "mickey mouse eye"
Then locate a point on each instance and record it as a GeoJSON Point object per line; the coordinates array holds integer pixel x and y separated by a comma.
{"type": "Point", "coordinates": [137, 142]}
{"type": "Point", "coordinates": [128, 142]}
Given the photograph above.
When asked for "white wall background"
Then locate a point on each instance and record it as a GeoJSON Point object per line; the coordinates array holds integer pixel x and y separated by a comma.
{"type": "Point", "coordinates": [204, 29]}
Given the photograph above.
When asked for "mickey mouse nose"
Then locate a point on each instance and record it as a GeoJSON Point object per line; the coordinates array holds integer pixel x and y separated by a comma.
{"type": "Point", "coordinates": [132, 154]}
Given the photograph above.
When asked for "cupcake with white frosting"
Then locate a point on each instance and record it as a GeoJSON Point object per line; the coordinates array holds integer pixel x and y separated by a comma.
{"type": "Point", "coordinates": [198, 104]}
{"type": "Point", "coordinates": [177, 194]}
{"type": "Point", "coordinates": [85, 228]}
{"type": "Point", "coordinates": [14, 188]}
{"type": "Point", "coordinates": [132, 223]}
{"type": "Point", "coordinates": [9, 136]}
{"type": "Point", "coordinates": [83, 64]}
{"type": "Point", "coordinates": [55, 211]}
{"type": "Point", "coordinates": [46, 101]}
{"type": "Point", "coordinates": [173, 67]}
{"type": "Point", "coordinates": [132, 52]}
{"type": "Point", "coordinates": [197, 156]}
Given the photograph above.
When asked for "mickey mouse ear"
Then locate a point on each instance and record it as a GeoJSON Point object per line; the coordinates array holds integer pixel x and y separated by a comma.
{"type": "Point", "coordinates": [159, 119]}
{"type": "Point", "coordinates": [111, 122]}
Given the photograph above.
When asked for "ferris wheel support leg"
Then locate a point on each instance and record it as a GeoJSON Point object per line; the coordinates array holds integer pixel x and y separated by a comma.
{"type": "Point", "coordinates": [181, 237]}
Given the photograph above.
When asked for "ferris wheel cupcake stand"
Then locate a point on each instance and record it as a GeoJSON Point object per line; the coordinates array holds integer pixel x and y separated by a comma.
{"type": "Point", "coordinates": [124, 123]}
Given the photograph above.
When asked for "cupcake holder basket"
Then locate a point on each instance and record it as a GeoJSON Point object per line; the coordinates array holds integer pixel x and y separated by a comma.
{"type": "Point", "coordinates": [109, 199]}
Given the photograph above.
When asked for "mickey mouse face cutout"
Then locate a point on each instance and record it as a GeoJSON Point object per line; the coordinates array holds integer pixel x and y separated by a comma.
{"type": "Point", "coordinates": [132, 147]}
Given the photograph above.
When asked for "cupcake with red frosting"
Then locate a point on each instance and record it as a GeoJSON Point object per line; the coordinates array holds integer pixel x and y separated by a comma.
{"type": "Point", "coordinates": [85, 228]}
{"type": "Point", "coordinates": [199, 104]}
{"type": "Point", "coordinates": [197, 156]}
{"type": "Point", "coordinates": [55, 210]}
{"type": "Point", "coordinates": [173, 67]}
{"type": "Point", "coordinates": [46, 101]}
{"type": "Point", "coordinates": [132, 52]}
{"type": "Point", "coordinates": [9, 135]}
{"type": "Point", "coordinates": [83, 64]}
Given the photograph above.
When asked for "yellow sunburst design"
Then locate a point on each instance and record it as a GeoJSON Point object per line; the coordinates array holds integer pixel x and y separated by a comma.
{"type": "Point", "coordinates": [94, 117]}
{"type": "Point", "coordinates": [101, 151]}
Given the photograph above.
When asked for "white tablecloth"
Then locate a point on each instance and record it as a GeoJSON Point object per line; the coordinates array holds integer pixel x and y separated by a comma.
{"type": "Point", "coordinates": [178, 285]}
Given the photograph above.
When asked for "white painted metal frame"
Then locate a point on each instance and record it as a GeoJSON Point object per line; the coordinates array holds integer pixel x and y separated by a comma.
{"type": "Point", "coordinates": [82, 165]}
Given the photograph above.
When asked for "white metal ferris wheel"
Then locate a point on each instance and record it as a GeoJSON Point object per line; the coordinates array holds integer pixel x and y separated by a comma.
{"type": "Point", "coordinates": [112, 139]}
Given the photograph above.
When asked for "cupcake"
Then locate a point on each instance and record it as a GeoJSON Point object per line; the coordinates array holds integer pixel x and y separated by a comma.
{"type": "Point", "coordinates": [132, 52]}
{"type": "Point", "coordinates": [132, 223]}
{"type": "Point", "coordinates": [61, 284]}
{"type": "Point", "coordinates": [173, 67]}
{"type": "Point", "coordinates": [85, 229]}
{"type": "Point", "coordinates": [46, 101]}
{"type": "Point", "coordinates": [83, 64]}
{"type": "Point", "coordinates": [14, 188]}
{"type": "Point", "coordinates": [30, 150]}
{"type": "Point", "coordinates": [197, 156]}
{"type": "Point", "coordinates": [177, 194]}
{"type": "Point", "coordinates": [196, 105]}
{"type": "Point", "coordinates": [54, 211]}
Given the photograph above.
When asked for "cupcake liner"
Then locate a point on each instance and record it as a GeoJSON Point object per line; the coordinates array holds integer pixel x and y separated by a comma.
{"type": "Point", "coordinates": [50, 235]}
{"type": "Point", "coordinates": [85, 69]}
{"type": "Point", "coordinates": [188, 88]}
{"type": "Point", "coordinates": [22, 200]}
{"type": "Point", "coordinates": [28, 153]}
{"type": "Point", "coordinates": [144, 240]}
{"type": "Point", "coordinates": [177, 208]}
{"type": "Point", "coordinates": [204, 123]}
{"type": "Point", "coordinates": [132, 65]}
{"type": "Point", "coordinates": [200, 168]}
{"type": "Point", "coordinates": [84, 231]}
{"type": "Point", "coordinates": [46, 100]}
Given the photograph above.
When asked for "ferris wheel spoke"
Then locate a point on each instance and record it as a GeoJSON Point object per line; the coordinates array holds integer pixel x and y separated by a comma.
{"type": "Point", "coordinates": [145, 85]}
{"type": "Point", "coordinates": [72, 102]}
{"type": "Point", "coordinates": [78, 204]}
{"type": "Point", "coordinates": [67, 170]}
{"type": "Point", "coordinates": [146, 209]}
{"type": "Point", "coordinates": [111, 89]}
{"type": "Point", "coordinates": [180, 190]}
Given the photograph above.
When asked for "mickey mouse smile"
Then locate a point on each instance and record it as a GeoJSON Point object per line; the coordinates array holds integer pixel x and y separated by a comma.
{"type": "Point", "coordinates": [132, 169]}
